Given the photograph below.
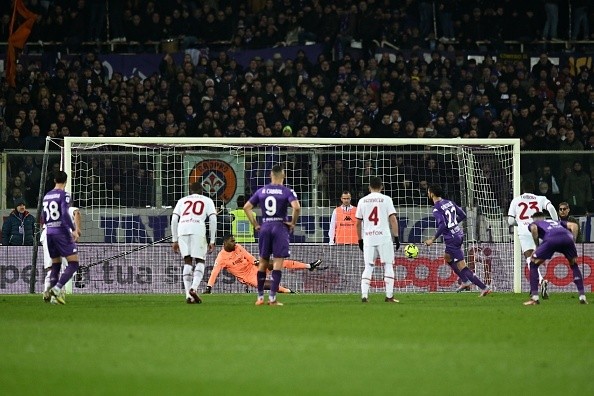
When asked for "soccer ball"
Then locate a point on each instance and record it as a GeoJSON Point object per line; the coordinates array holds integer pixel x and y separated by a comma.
{"type": "Point", "coordinates": [411, 251]}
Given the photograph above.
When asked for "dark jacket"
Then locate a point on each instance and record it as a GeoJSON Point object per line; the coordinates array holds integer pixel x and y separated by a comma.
{"type": "Point", "coordinates": [10, 229]}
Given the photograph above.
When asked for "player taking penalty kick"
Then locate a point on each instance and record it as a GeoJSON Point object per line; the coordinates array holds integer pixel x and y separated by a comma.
{"type": "Point", "coordinates": [273, 240]}
{"type": "Point", "coordinates": [242, 265]}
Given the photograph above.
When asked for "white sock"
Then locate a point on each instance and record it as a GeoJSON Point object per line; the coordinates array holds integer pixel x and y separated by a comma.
{"type": "Point", "coordinates": [389, 279]}
{"type": "Point", "coordinates": [187, 278]}
{"type": "Point", "coordinates": [366, 280]}
{"type": "Point", "coordinates": [46, 282]}
{"type": "Point", "coordinates": [198, 274]}
{"type": "Point", "coordinates": [540, 277]}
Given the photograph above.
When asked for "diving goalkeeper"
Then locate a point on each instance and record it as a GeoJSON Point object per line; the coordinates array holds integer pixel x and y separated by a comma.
{"type": "Point", "coordinates": [241, 264]}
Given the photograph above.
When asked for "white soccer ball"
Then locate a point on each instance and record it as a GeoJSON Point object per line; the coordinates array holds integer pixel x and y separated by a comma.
{"type": "Point", "coordinates": [411, 251]}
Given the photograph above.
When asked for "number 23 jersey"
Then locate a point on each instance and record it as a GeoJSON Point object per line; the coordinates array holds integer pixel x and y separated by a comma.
{"type": "Point", "coordinates": [523, 207]}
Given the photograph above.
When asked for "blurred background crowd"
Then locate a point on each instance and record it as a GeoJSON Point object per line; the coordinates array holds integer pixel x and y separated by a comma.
{"type": "Point", "coordinates": [345, 91]}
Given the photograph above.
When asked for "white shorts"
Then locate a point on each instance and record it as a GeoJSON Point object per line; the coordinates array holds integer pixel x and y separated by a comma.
{"type": "Point", "coordinates": [194, 246]}
{"type": "Point", "coordinates": [384, 252]}
{"type": "Point", "coordinates": [526, 242]}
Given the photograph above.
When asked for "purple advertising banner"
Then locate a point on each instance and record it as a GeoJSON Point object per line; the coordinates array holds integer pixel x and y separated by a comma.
{"type": "Point", "coordinates": [157, 269]}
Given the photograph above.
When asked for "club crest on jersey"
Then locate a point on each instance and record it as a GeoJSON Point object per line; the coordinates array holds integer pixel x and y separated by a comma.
{"type": "Point", "coordinates": [217, 177]}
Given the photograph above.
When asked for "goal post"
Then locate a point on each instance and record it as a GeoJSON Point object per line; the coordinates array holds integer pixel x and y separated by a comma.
{"type": "Point", "coordinates": [126, 188]}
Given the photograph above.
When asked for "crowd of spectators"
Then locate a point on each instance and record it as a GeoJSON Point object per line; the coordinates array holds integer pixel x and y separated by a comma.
{"type": "Point", "coordinates": [349, 95]}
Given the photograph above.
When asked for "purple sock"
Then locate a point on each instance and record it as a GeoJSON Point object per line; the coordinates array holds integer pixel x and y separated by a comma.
{"type": "Point", "coordinates": [261, 277]}
{"type": "Point", "coordinates": [276, 278]}
{"type": "Point", "coordinates": [533, 279]}
{"type": "Point", "coordinates": [68, 273]}
{"type": "Point", "coordinates": [578, 279]}
{"type": "Point", "coordinates": [462, 277]}
{"type": "Point", "coordinates": [54, 274]}
{"type": "Point", "coordinates": [472, 277]}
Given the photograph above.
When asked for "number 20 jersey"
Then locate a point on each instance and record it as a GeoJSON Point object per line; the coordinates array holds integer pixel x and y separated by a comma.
{"type": "Point", "coordinates": [193, 211]}
{"type": "Point", "coordinates": [523, 207]}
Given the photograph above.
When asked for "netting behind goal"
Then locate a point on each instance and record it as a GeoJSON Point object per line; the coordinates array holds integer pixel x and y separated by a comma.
{"type": "Point", "coordinates": [126, 190]}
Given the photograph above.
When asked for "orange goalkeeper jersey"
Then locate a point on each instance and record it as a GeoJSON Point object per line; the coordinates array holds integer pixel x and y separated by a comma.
{"type": "Point", "coordinates": [239, 262]}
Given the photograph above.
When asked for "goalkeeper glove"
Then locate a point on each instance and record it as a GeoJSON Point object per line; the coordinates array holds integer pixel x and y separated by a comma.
{"type": "Point", "coordinates": [361, 244]}
{"type": "Point", "coordinates": [397, 242]}
{"type": "Point", "coordinates": [208, 290]}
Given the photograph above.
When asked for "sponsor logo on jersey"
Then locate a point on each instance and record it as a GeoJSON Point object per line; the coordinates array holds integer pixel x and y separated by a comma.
{"type": "Point", "coordinates": [217, 178]}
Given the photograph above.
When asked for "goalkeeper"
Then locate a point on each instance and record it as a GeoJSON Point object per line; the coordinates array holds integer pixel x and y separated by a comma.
{"type": "Point", "coordinates": [241, 264]}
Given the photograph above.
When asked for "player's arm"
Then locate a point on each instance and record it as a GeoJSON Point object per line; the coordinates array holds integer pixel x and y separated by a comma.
{"type": "Point", "coordinates": [77, 223]}
{"type": "Point", "coordinates": [573, 227]}
{"type": "Point", "coordinates": [174, 223]}
{"type": "Point", "coordinates": [511, 214]}
{"type": "Point", "coordinates": [332, 230]}
{"type": "Point", "coordinates": [212, 228]}
{"type": "Point", "coordinates": [248, 208]}
{"type": "Point", "coordinates": [216, 270]}
{"type": "Point", "coordinates": [441, 227]}
{"type": "Point", "coordinates": [295, 215]}
{"type": "Point", "coordinates": [460, 214]}
{"type": "Point", "coordinates": [65, 206]}
{"type": "Point", "coordinates": [359, 227]}
{"type": "Point", "coordinates": [534, 231]}
{"type": "Point", "coordinates": [552, 210]}
{"type": "Point", "coordinates": [393, 219]}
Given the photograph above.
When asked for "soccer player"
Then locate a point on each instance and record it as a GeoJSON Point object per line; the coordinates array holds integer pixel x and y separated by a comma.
{"type": "Point", "coordinates": [274, 200]}
{"type": "Point", "coordinates": [564, 210]}
{"type": "Point", "coordinates": [74, 214]}
{"type": "Point", "coordinates": [343, 223]}
{"type": "Point", "coordinates": [242, 265]}
{"type": "Point", "coordinates": [557, 236]}
{"type": "Point", "coordinates": [62, 235]}
{"type": "Point", "coordinates": [448, 216]}
{"type": "Point", "coordinates": [377, 227]}
{"type": "Point", "coordinates": [188, 234]}
{"type": "Point", "coordinates": [521, 210]}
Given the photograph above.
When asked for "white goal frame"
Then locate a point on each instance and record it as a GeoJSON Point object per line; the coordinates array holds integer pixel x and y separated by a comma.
{"type": "Point", "coordinates": [302, 142]}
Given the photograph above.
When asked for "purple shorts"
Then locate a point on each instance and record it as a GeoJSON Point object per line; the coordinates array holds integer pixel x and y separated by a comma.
{"type": "Point", "coordinates": [273, 239]}
{"type": "Point", "coordinates": [453, 247]}
{"type": "Point", "coordinates": [61, 245]}
{"type": "Point", "coordinates": [563, 245]}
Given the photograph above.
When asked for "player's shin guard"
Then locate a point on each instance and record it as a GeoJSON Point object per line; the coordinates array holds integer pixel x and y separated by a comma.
{"type": "Point", "coordinates": [261, 277]}
{"type": "Point", "coordinates": [198, 274]}
{"type": "Point", "coordinates": [534, 275]}
{"type": "Point", "coordinates": [578, 279]}
{"type": "Point", "coordinates": [274, 285]}
{"type": "Point", "coordinates": [54, 274]}
{"type": "Point", "coordinates": [366, 280]}
{"type": "Point", "coordinates": [389, 279]}
{"type": "Point", "coordinates": [69, 272]}
{"type": "Point", "coordinates": [187, 277]}
{"type": "Point", "coordinates": [472, 277]}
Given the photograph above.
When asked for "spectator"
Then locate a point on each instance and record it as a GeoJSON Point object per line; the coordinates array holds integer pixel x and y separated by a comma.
{"type": "Point", "coordinates": [18, 228]}
{"type": "Point", "coordinates": [577, 189]}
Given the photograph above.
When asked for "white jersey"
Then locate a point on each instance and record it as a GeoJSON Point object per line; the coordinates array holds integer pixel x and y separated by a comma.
{"type": "Point", "coordinates": [71, 211]}
{"type": "Point", "coordinates": [524, 206]}
{"type": "Point", "coordinates": [193, 211]}
{"type": "Point", "coordinates": [375, 210]}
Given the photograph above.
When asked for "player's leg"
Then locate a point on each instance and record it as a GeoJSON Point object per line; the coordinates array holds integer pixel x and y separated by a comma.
{"type": "Point", "coordinates": [188, 269]}
{"type": "Point", "coordinates": [69, 271]}
{"type": "Point", "coordinates": [533, 276]}
{"type": "Point", "coordinates": [569, 250]}
{"type": "Point", "coordinates": [293, 264]}
{"type": "Point", "coordinates": [454, 250]}
{"type": "Point", "coordinates": [198, 248]}
{"type": "Point", "coordinates": [280, 251]}
{"type": "Point", "coordinates": [369, 255]}
{"type": "Point", "coordinates": [386, 254]}
{"type": "Point", "coordinates": [47, 267]}
{"type": "Point", "coordinates": [465, 283]}
{"type": "Point", "coordinates": [265, 247]}
{"type": "Point", "coordinates": [527, 244]}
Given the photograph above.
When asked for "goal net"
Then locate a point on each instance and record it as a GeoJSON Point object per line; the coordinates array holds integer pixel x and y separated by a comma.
{"type": "Point", "coordinates": [127, 188]}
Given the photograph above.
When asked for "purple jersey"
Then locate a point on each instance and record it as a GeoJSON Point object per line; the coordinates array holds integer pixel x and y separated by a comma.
{"type": "Point", "coordinates": [448, 215]}
{"type": "Point", "coordinates": [550, 229]}
{"type": "Point", "coordinates": [274, 200]}
{"type": "Point", "coordinates": [55, 212]}
{"type": "Point", "coordinates": [555, 238]}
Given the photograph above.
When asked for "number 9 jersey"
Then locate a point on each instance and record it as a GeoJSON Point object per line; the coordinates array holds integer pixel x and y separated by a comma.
{"type": "Point", "coordinates": [524, 206]}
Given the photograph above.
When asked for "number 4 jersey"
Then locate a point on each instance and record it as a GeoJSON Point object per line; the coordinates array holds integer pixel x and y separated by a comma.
{"type": "Point", "coordinates": [524, 206]}
{"type": "Point", "coordinates": [375, 210]}
{"type": "Point", "coordinates": [193, 211]}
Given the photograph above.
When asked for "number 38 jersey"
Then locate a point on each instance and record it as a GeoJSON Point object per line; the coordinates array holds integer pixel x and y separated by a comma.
{"type": "Point", "coordinates": [375, 210]}
{"type": "Point", "coordinates": [193, 211]}
{"type": "Point", "coordinates": [523, 207]}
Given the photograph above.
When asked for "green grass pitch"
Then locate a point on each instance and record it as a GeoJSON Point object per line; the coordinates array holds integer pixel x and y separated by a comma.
{"type": "Point", "coordinates": [429, 344]}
